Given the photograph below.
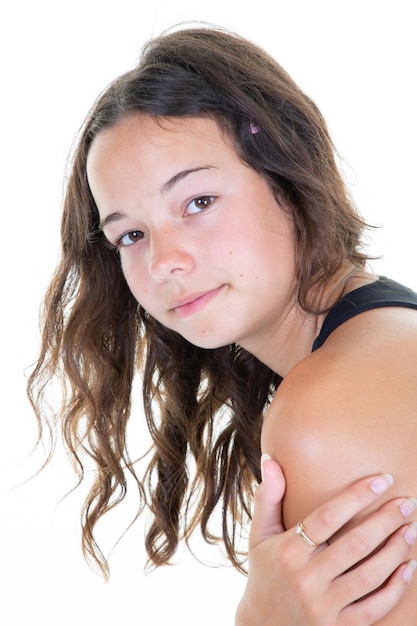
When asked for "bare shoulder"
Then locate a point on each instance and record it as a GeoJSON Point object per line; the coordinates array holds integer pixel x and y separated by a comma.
{"type": "Point", "coordinates": [348, 410]}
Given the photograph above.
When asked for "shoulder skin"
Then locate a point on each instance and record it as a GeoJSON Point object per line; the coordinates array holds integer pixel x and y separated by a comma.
{"type": "Point", "coordinates": [347, 411]}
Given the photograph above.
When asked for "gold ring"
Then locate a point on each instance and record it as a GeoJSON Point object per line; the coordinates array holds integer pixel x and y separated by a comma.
{"type": "Point", "coordinates": [301, 531]}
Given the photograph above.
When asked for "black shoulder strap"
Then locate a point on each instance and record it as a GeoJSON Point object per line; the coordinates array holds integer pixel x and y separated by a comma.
{"type": "Point", "coordinates": [381, 293]}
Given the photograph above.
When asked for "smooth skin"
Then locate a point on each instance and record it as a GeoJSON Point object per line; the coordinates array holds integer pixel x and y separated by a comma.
{"type": "Point", "coordinates": [291, 583]}
{"type": "Point", "coordinates": [209, 250]}
{"type": "Point", "coordinates": [356, 415]}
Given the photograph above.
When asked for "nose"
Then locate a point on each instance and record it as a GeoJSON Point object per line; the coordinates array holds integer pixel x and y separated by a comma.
{"type": "Point", "coordinates": [169, 256]}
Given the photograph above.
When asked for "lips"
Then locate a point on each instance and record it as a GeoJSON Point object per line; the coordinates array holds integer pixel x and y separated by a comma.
{"type": "Point", "coordinates": [193, 302]}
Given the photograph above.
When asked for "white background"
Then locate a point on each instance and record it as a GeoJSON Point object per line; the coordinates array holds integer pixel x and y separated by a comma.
{"type": "Point", "coordinates": [356, 58]}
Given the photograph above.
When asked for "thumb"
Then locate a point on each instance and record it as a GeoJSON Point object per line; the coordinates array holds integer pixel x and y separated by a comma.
{"type": "Point", "coordinates": [267, 512]}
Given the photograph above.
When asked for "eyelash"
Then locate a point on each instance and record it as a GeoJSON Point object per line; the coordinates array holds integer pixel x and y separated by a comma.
{"type": "Point", "coordinates": [138, 233]}
{"type": "Point", "coordinates": [208, 201]}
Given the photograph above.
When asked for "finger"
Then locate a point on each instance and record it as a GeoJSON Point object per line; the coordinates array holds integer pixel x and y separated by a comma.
{"type": "Point", "coordinates": [330, 517]}
{"type": "Point", "coordinates": [376, 570]}
{"type": "Point", "coordinates": [267, 512]}
{"type": "Point", "coordinates": [375, 607]}
{"type": "Point", "coordinates": [358, 543]}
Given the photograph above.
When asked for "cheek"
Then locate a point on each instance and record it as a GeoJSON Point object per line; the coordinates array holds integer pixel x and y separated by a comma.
{"type": "Point", "coordinates": [143, 289]}
{"type": "Point", "coordinates": [135, 277]}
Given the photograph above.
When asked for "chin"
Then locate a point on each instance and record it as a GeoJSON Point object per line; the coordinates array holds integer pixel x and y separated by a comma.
{"type": "Point", "coordinates": [207, 342]}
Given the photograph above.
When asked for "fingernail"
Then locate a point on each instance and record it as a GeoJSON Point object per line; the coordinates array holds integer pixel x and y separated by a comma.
{"type": "Point", "coordinates": [381, 483]}
{"type": "Point", "coordinates": [264, 457]}
{"type": "Point", "coordinates": [409, 571]}
{"type": "Point", "coordinates": [408, 506]}
{"type": "Point", "coordinates": [410, 534]}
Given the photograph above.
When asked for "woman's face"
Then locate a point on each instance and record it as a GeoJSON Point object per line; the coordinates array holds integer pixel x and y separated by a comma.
{"type": "Point", "coordinates": [205, 247]}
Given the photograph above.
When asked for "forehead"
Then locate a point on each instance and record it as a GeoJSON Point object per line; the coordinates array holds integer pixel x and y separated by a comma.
{"type": "Point", "coordinates": [147, 135]}
{"type": "Point", "coordinates": [142, 152]}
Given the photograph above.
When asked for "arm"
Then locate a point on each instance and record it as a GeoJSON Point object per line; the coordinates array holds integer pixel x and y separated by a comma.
{"type": "Point", "coordinates": [341, 414]}
{"type": "Point", "coordinates": [292, 583]}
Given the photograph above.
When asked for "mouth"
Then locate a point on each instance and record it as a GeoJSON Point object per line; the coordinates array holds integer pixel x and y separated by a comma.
{"type": "Point", "coordinates": [193, 302]}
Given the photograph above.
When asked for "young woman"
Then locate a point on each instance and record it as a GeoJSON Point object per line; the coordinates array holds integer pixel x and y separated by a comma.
{"type": "Point", "coordinates": [208, 241]}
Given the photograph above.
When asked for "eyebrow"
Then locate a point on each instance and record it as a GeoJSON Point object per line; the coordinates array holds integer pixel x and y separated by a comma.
{"type": "Point", "coordinates": [112, 217]}
{"type": "Point", "coordinates": [166, 187]}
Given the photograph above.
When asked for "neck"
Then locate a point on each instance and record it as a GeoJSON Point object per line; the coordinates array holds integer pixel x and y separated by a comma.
{"type": "Point", "coordinates": [292, 339]}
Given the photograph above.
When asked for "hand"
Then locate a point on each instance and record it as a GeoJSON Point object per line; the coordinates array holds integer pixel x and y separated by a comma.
{"type": "Point", "coordinates": [291, 583]}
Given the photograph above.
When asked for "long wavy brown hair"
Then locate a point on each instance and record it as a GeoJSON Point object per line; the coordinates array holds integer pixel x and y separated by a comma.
{"type": "Point", "coordinates": [204, 408]}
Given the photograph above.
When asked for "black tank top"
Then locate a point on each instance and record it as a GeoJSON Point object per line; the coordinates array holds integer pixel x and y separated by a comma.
{"type": "Point", "coordinates": [381, 293]}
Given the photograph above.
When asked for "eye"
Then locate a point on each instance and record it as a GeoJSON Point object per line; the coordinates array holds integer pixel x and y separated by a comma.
{"type": "Point", "coordinates": [130, 238]}
{"type": "Point", "coordinates": [197, 205]}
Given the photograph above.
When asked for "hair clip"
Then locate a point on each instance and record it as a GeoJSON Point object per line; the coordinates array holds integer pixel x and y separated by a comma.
{"type": "Point", "coordinates": [254, 128]}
